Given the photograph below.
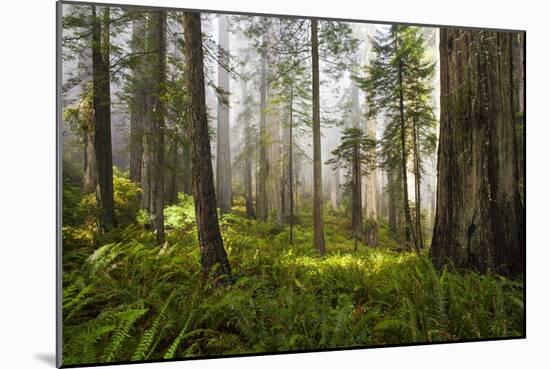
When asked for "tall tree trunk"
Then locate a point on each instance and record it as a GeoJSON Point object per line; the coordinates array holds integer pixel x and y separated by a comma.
{"type": "Point", "coordinates": [223, 149]}
{"type": "Point", "coordinates": [86, 118]}
{"type": "Point", "coordinates": [480, 218]}
{"type": "Point", "coordinates": [261, 201]}
{"type": "Point", "coordinates": [89, 181]}
{"type": "Point", "coordinates": [371, 187]}
{"type": "Point", "coordinates": [137, 111]}
{"type": "Point", "coordinates": [247, 163]}
{"type": "Point", "coordinates": [406, 209]}
{"type": "Point", "coordinates": [318, 228]}
{"type": "Point", "coordinates": [214, 261]}
{"type": "Point", "coordinates": [153, 139]}
{"type": "Point", "coordinates": [433, 188]}
{"type": "Point", "coordinates": [335, 195]}
{"type": "Point", "coordinates": [392, 203]}
{"type": "Point", "coordinates": [417, 182]}
{"type": "Point", "coordinates": [357, 211]}
{"type": "Point", "coordinates": [186, 178]}
{"type": "Point", "coordinates": [102, 115]}
{"type": "Point", "coordinates": [358, 199]}
{"type": "Point", "coordinates": [519, 97]}
{"type": "Point", "coordinates": [275, 174]}
{"type": "Point", "coordinates": [172, 188]}
{"type": "Point", "coordinates": [290, 159]}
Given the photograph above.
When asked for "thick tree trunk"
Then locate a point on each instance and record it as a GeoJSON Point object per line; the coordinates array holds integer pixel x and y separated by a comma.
{"type": "Point", "coordinates": [137, 112]}
{"type": "Point", "coordinates": [519, 101]}
{"type": "Point", "coordinates": [318, 228]}
{"type": "Point", "coordinates": [102, 115]}
{"type": "Point", "coordinates": [214, 261]}
{"type": "Point", "coordinates": [479, 219]}
{"type": "Point", "coordinates": [153, 139]}
{"type": "Point", "coordinates": [261, 200]}
{"type": "Point", "coordinates": [223, 149]}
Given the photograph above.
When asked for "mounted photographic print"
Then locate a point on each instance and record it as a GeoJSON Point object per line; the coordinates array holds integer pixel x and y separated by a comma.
{"type": "Point", "coordinates": [248, 184]}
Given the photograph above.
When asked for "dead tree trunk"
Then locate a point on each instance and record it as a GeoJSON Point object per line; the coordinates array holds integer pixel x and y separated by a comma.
{"type": "Point", "coordinates": [479, 218]}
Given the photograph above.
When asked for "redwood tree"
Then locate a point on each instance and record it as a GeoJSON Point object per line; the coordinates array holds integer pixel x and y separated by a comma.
{"type": "Point", "coordinates": [152, 173]}
{"type": "Point", "coordinates": [479, 220]}
{"type": "Point", "coordinates": [223, 152]}
{"type": "Point", "coordinates": [102, 117]}
{"type": "Point", "coordinates": [213, 256]}
{"type": "Point", "coordinates": [318, 228]}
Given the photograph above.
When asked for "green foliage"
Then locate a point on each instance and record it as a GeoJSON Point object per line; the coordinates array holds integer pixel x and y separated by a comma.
{"type": "Point", "coordinates": [355, 146]}
{"type": "Point", "coordinates": [182, 214]}
{"type": "Point", "coordinates": [131, 300]}
{"type": "Point", "coordinates": [127, 195]}
{"type": "Point", "coordinates": [399, 77]}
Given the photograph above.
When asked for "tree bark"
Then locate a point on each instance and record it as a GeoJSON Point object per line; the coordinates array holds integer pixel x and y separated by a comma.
{"type": "Point", "coordinates": [214, 261]}
{"type": "Point", "coordinates": [137, 112]}
{"type": "Point", "coordinates": [392, 203]}
{"type": "Point", "coordinates": [248, 164]}
{"type": "Point", "coordinates": [290, 159]}
{"type": "Point", "coordinates": [102, 115]}
{"type": "Point", "coordinates": [263, 163]}
{"type": "Point", "coordinates": [223, 149]}
{"type": "Point", "coordinates": [371, 183]}
{"type": "Point", "coordinates": [318, 227]}
{"type": "Point", "coordinates": [172, 178]}
{"type": "Point", "coordinates": [357, 210]}
{"type": "Point", "coordinates": [406, 209]}
{"type": "Point", "coordinates": [86, 119]}
{"type": "Point", "coordinates": [89, 181]}
{"type": "Point", "coordinates": [153, 139]}
{"type": "Point", "coordinates": [479, 218]}
{"type": "Point", "coordinates": [417, 182]}
{"type": "Point", "coordinates": [518, 48]}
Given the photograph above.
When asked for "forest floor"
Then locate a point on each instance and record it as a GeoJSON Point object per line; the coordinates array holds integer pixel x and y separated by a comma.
{"type": "Point", "coordinates": [125, 298]}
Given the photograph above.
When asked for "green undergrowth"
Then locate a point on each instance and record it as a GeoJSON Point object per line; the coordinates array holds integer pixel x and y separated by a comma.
{"type": "Point", "coordinates": [124, 298]}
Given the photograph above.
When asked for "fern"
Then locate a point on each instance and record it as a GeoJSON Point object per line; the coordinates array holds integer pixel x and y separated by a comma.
{"type": "Point", "coordinates": [127, 319]}
{"type": "Point", "coordinates": [170, 353]}
{"type": "Point", "coordinates": [149, 335]}
{"type": "Point", "coordinates": [125, 298]}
